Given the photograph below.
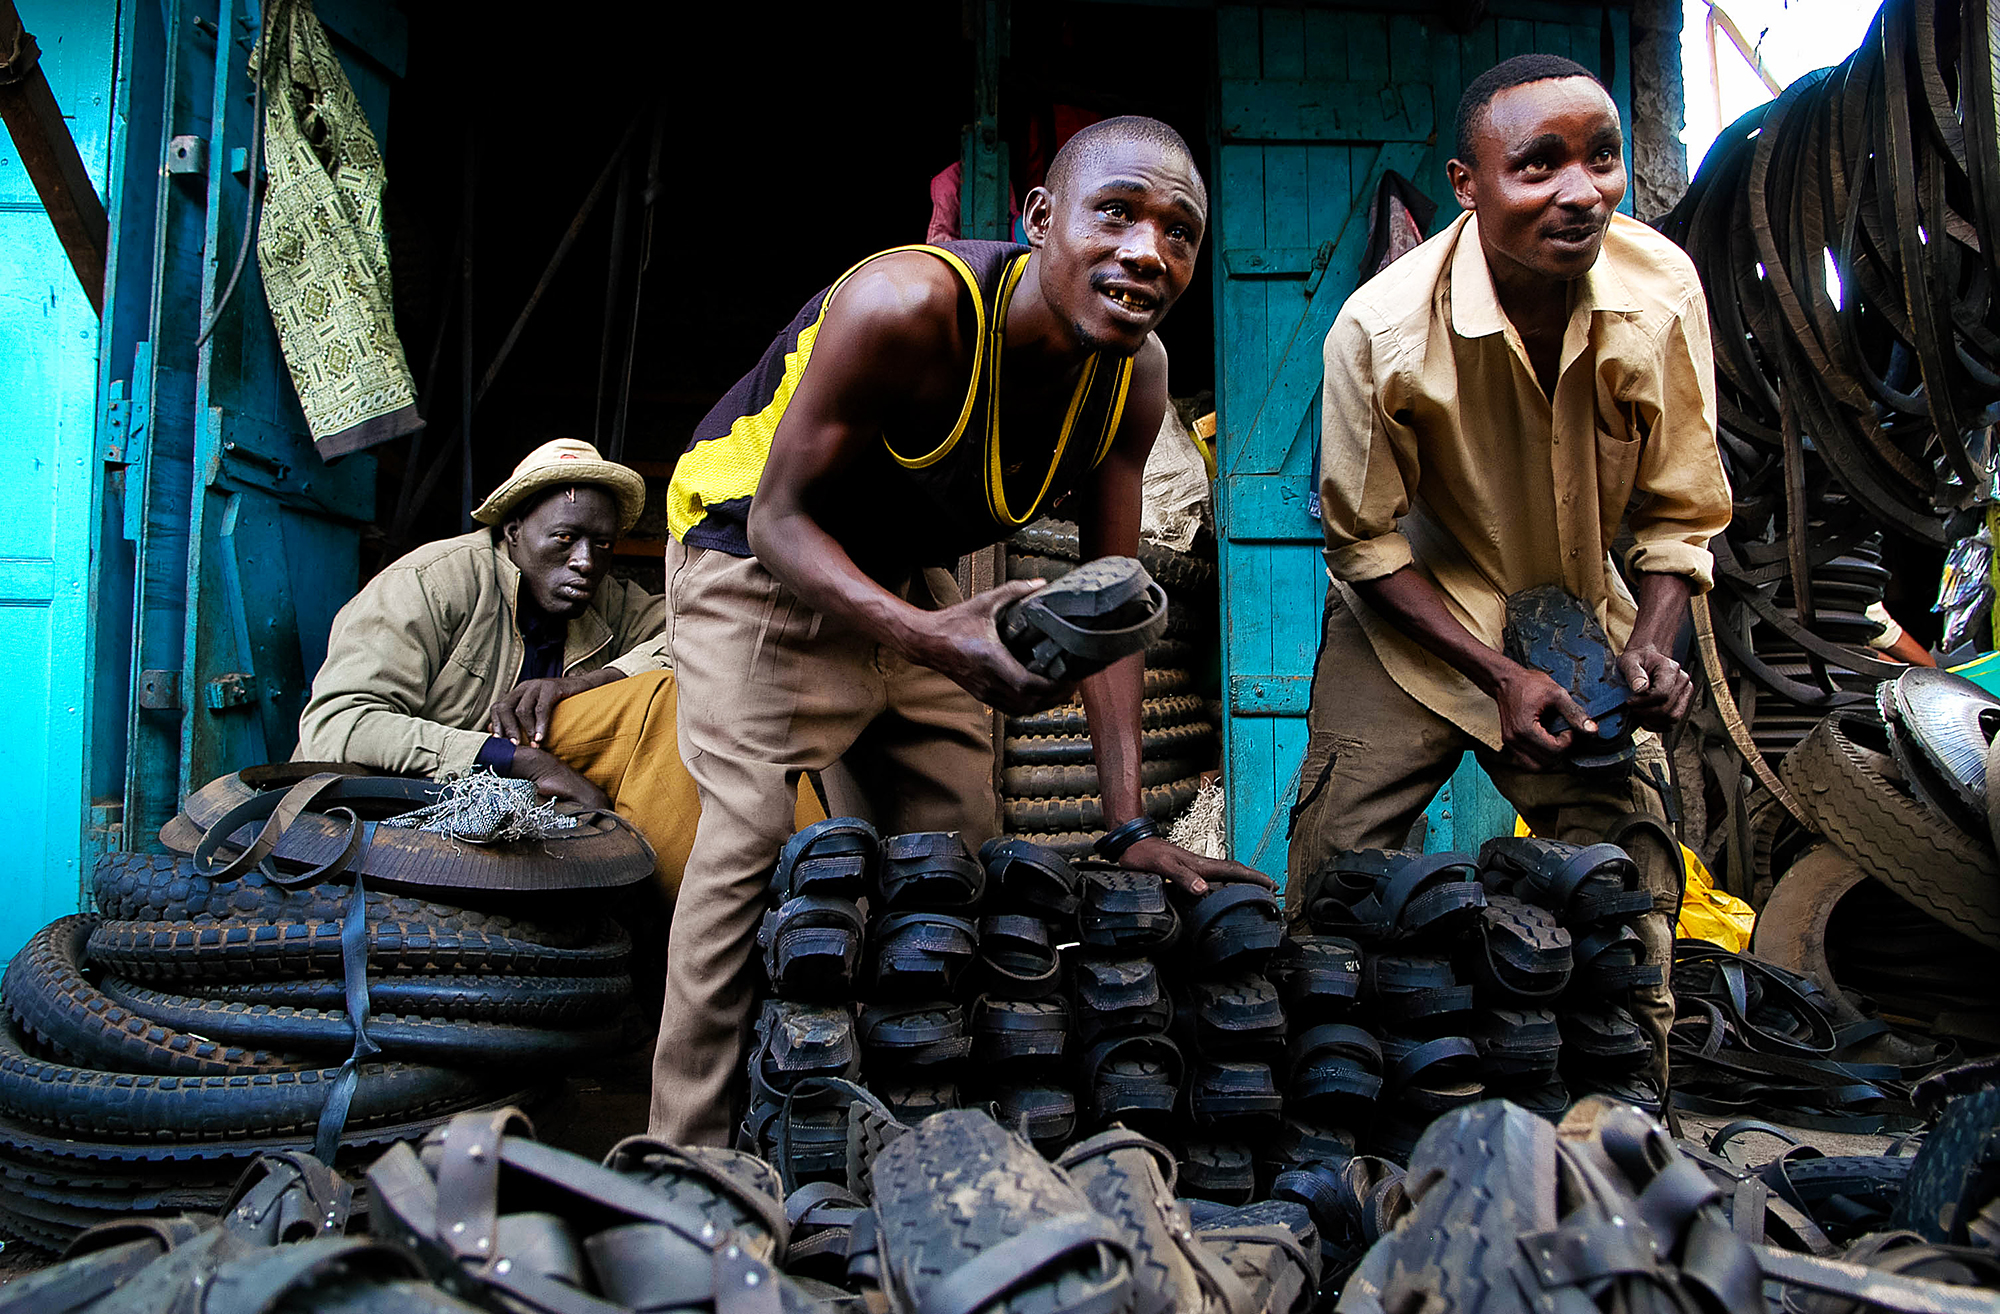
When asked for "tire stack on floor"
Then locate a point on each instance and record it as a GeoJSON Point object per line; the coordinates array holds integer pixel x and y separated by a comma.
{"type": "Point", "coordinates": [1048, 790]}
{"type": "Point", "coordinates": [1900, 793]}
{"type": "Point", "coordinates": [151, 1050]}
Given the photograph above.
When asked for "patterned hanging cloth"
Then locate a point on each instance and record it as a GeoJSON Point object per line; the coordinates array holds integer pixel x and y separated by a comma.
{"type": "Point", "coordinates": [321, 250]}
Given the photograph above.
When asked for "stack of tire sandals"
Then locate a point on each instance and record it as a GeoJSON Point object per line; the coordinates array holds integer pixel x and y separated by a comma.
{"type": "Point", "coordinates": [1754, 1039]}
{"type": "Point", "coordinates": [1049, 792]}
{"type": "Point", "coordinates": [955, 1215]}
{"type": "Point", "coordinates": [202, 1016]}
{"type": "Point", "coordinates": [1586, 896]}
{"type": "Point", "coordinates": [1604, 1211]}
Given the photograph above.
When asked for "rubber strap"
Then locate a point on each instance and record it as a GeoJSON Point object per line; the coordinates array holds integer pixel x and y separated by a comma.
{"type": "Point", "coordinates": [1221, 900]}
{"type": "Point", "coordinates": [1014, 1262]}
{"type": "Point", "coordinates": [256, 1288]}
{"type": "Point", "coordinates": [1337, 1035]}
{"type": "Point", "coordinates": [1432, 1052]}
{"type": "Point", "coordinates": [1560, 885]}
{"type": "Point", "coordinates": [468, 1181]}
{"type": "Point", "coordinates": [1871, 1286]}
{"type": "Point", "coordinates": [1384, 906]}
{"type": "Point", "coordinates": [354, 975]}
{"type": "Point", "coordinates": [278, 812]}
{"type": "Point", "coordinates": [1091, 644]}
{"type": "Point", "coordinates": [1124, 1138]}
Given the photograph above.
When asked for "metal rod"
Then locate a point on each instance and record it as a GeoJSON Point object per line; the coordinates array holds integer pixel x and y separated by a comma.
{"type": "Point", "coordinates": [470, 232]}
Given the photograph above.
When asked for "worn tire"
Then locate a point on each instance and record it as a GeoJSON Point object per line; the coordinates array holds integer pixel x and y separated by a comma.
{"type": "Point", "coordinates": [1086, 811]}
{"type": "Point", "coordinates": [143, 1106]}
{"type": "Point", "coordinates": [539, 1001]}
{"type": "Point", "coordinates": [258, 950]}
{"type": "Point", "coordinates": [48, 996]}
{"type": "Point", "coordinates": [451, 1041]}
{"type": "Point", "coordinates": [1057, 540]}
{"type": "Point", "coordinates": [1895, 839]}
{"type": "Point", "coordinates": [1154, 714]}
{"type": "Point", "coordinates": [1194, 741]}
{"type": "Point", "coordinates": [1070, 781]}
{"type": "Point", "coordinates": [1791, 930]}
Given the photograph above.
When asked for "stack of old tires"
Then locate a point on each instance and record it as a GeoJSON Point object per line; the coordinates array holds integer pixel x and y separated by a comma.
{"type": "Point", "coordinates": [1048, 788]}
{"type": "Point", "coordinates": [153, 1048]}
{"type": "Point", "coordinates": [1894, 900]}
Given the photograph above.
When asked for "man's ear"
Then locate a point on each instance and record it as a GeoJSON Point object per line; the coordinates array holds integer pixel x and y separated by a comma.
{"type": "Point", "coordinates": [511, 532]}
{"type": "Point", "coordinates": [1460, 175]}
{"type": "Point", "coordinates": [1038, 215]}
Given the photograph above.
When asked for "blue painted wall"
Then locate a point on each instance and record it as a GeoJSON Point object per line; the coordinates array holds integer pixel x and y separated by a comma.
{"type": "Point", "coordinates": [50, 483]}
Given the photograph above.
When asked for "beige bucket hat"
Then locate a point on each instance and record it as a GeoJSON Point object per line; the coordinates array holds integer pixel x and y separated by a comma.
{"type": "Point", "coordinates": [559, 463]}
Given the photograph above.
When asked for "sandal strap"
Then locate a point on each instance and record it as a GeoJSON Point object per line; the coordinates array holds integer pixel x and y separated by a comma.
{"type": "Point", "coordinates": [1559, 886]}
{"type": "Point", "coordinates": [1402, 1071]}
{"type": "Point", "coordinates": [1342, 1036]}
{"type": "Point", "coordinates": [999, 1269]}
{"type": "Point", "coordinates": [1384, 905]}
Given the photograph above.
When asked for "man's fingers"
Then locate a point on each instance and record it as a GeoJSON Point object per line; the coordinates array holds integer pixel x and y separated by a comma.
{"type": "Point", "coordinates": [545, 710]}
{"type": "Point", "coordinates": [998, 599]}
{"type": "Point", "coordinates": [1221, 869]}
{"type": "Point", "coordinates": [1572, 712]}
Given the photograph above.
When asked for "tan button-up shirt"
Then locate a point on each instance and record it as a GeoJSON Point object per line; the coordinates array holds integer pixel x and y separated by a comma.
{"type": "Point", "coordinates": [1439, 447]}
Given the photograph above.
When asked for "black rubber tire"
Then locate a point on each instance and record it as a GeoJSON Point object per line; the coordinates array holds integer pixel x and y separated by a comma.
{"type": "Point", "coordinates": [1057, 540]}
{"type": "Point", "coordinates": [1791, 929]}
{"type": "Point", "coordinates": [540, 1001]}
{"type": "Point", "coordinates": [1070, 781]}
{"type": "Point", "coordinates": [252, 950]}
{"type": "Point", "coordinates": [46, 992]}
{"type": "Point", "coordinates": [143, 1106]}
{"type": "Point", "coordinates": [159, 887]}
{"type": "Point", "coordinates": [1086, 811]}
{"type": "Point", "coordinates": [1895, 839]}
{"type": "Point", "coordinates": [451, 1041]}
{"type": "Point", "coordinates": [1195, 742]}
{"type": "Point", "coordinates": [1154, 714]}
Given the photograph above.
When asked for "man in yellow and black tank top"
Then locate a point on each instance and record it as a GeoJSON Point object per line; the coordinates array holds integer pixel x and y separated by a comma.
{"type": "Point", "coordinates": [931, 401]}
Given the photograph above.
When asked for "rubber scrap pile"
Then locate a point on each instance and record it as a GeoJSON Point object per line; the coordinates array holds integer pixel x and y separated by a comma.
{"type": "Point", "coordinates": [1847, 236]}
{"type": "Point", "coordinates": [303, 973]}
{"type": "Point", "coordinates": [1048, 785]}
{"type": "Point", "coordinates": [1506, 1211]}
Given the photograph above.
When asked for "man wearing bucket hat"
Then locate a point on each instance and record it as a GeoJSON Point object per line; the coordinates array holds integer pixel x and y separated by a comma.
{"type": "Point", "coordinates": [510, 647]}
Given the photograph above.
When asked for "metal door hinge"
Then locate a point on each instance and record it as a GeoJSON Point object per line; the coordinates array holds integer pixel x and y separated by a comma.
{"type": "Point", "coordinates": [187, 154]}
{"type": "Point", "coordinates": [160, 691]}
{"type": "Point", "coordinates": [230, 689]}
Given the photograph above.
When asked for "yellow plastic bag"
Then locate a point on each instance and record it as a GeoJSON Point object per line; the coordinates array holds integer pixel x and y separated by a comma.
{"type": "Point", "coordinates": [1706, 912]}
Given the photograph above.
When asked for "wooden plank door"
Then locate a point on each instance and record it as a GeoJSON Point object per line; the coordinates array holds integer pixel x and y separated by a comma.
{"type": "Point", "coordinates": [1313, 107]}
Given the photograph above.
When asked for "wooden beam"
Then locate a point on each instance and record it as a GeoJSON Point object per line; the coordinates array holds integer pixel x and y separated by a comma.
{"type": "Point", "coordinates": [1719, 17]}
{"type": "Point", "coordinates": [28, 108]}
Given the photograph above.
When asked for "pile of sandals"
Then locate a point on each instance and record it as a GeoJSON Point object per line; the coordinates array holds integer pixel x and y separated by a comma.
{"type": "Point", "coordinates": [1431, 981]}
{"type": "Point", "coordinates": [302, 976]}
{"type": "Point", "coordinates": [1048, 785]}
{"type": "Point", "coordinates": [1503, 1210]}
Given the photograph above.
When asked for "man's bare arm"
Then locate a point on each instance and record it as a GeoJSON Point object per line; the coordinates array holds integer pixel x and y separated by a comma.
{"type": "Point", "coordinates": [893, 322]}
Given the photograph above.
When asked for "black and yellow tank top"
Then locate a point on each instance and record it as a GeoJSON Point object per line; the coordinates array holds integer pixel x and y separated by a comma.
{"type": "Point", "coordinates": [915, 499]}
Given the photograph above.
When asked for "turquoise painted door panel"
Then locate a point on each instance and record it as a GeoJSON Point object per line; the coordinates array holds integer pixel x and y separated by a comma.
{"type": "Point", "coordinates": [49, 470]}
{"type": "Point", "coordinates": [1314, 106]}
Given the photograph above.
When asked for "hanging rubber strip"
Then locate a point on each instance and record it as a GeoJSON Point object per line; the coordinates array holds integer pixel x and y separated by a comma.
{"type": "Point", "coordinates": [354, 974]}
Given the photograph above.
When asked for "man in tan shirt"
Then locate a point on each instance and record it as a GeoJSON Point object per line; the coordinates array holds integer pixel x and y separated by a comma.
{"type": "Point", "coordinates": [1497, 402]}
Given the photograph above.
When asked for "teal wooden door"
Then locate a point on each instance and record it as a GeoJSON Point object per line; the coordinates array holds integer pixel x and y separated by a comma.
{"type": "Point", "coordinates": [1313, 107]}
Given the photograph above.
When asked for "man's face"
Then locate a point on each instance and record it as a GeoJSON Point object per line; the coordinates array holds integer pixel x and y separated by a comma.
{"type": "Point", "coordinates": [1118, 248]}
{"type": "Point", "coordinates": [1551, 170]}
{"type": "Point", "coordinates": [563, 547]}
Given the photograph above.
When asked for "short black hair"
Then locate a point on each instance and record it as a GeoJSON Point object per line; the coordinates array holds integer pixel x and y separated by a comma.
{"type": "Point", "coordinates": [1515, 72]}
{"type": "Point", "coordinates": [1091, 139]}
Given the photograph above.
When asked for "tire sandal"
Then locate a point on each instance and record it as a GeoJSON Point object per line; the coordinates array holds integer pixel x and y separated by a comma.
{"type": "Point", "coordinates": [1030, 880]}
{"type": "Point", "coordinates": [1230, 929]}
{"type": "Point", "coordinates": [812, 947]}
{"type": "Point", "coordinates": [1518, 1047]}
{"type": "Point", "coordinates": [1020, 1235]}
{"type": "Point", "coordinates": [913, 1035]}
{"type": "Point", "coordinates": [824, 1129]}
{"type": "Point", "coordinates": [1430, 1076]}
{"type": "Point", "coordinates": [1955, 1176]}
{"type": "Point", "coordinates": [1605, 1039]}
{"type": "Point", "coordinates": [1354, 1202]}
{"type": "Point", "coordinates": [914, 1096]}
{"type": "Point", "coordinates": [836, 858]}
{"type": "Point", "coordinates": [1318, 976]}
{"type": "Point", "coordinates": [1226, 1098]}
{"type": "Point", "coordinates": [1044, 1113]}
{"type": "Point", "coordinates": [930, 871]}
{"type": "Point", "coordinates": [1126, 911]}
{"type": "Point", "coordinates": [1218, 1171]}
{"type": "Point", "coordinates": [1130, 1078]}
{"type": "Point", "coordinates": [822, 1217]}
{"type": "Point", "coordinates": [1336, 1072]}
{"type": "Point", "coordinates": [921, 955]}
{"type": "Point", "coordinates": [797, 1041]}
{"type": "Point", "coordinates": [1394, 896]}
{"type": "Point", "coordinates": [1406, 990]}
{"type": "Point", "coordinates": [1117, 996]}
{"type": "Point", "coordinates": [1017, 957]}
{"type": "Point", "coordinates": [1239, 1018]}
{"type": "Point", "coordinates": [1582, 884]}
{"type": "Point", "coordinates": [1517, 953]}
{"type": "Point", "coordinates": [1012, 1032]}
{"type": "Point", "coordinates": [1273, 1250]}
{"type": "Point", "coordinates": [1300, 1141]}
{"type": "Point", "coordinates": [524, 1225]}
{"type": "Point", "coordinates": [735, 1191]}
{"type": "Point", "coordinates": [1096, 614]}
{"type": "Point", "coordinates": [1611, 960]}
{"type": "Point", "coordinates": [1130, 1180]}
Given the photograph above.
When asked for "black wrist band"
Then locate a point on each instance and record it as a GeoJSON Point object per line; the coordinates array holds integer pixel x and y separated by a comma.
{"type": "Point", "coordinates": [1112, 847]}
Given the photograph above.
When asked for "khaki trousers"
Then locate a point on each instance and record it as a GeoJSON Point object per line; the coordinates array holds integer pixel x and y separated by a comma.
{"type": "Point", "coordinates": [604, 733]}
{"type": "Point", "coordinates": [1375, 757]}
{"type": "Point", "coordinates": [771, 689]}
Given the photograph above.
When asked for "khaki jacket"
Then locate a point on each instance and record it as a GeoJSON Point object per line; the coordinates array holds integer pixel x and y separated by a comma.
{"type": "Point", "coordinates": [417, 658]}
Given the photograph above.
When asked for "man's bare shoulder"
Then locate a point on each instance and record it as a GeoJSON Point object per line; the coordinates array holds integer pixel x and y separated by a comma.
{"type": "Point", "coordinates": [907, 300]}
